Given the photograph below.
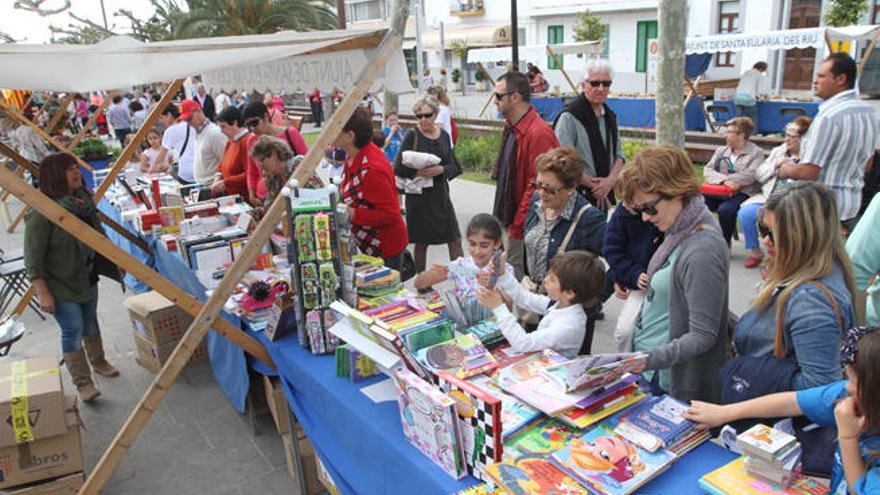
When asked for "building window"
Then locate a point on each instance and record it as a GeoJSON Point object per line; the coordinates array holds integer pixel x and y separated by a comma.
{"type": "Point", "coordinates": [728, 22]}
{"type": "Point", "coordinates": [364, 11]}
{"type": "Point", "coordinates": [466, 7]}
{"type": "Point", "coordinates": [645, 30]}
{"type": "Point", "coordinates": [555, 36]}
{"type": "Point", "coordinates": [875, 12]}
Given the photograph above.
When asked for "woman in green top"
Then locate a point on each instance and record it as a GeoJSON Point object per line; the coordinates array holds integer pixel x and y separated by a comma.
{"type": "Point", "coordinates": [65, 272]}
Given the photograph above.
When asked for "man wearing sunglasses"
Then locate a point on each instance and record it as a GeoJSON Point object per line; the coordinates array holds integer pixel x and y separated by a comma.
{"type": "Point", "coordinates": [526, 136]}
{"type": "Point", "coordinates": [590, 126]}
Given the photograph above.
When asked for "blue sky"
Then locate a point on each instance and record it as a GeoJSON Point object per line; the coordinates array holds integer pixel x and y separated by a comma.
{"type": "Point", "coordinates": [32, 28]}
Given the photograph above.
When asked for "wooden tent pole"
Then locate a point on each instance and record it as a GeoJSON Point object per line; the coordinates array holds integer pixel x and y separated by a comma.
{"type": "Point", "coordinates": [18, 219]}
{"type": "Point", "coordinates": [21, 119]}
{"type": "Point", "coordinates": [62, 111]}
{"type": "Point", "coordinates": [828, 42]}
{"type": "Point", "coordinates": [702, 108]}
{"type": "Point", "coordinates": [88, 125]}
{"type": "Point", "coordinates": [151, 399]}
{"type": "Point", "coordinates": [138, 137]}
{"type": "Point", "coordinates": [28, 101]}
{"type": "Point", "coordinates": [124, 232]}
{"type": "Point", "coordinates": [867, 55]}
{"type": "Point", "coordinates": [480, 64]}
{"type": "Point", "coordinates": [42, 107]}
{"type": "Point", "coordinates": [693, 90]}
{"type": "Point", "coordinates": [491, 92]}
{"type": "Point", "coordinates": [561, 68]}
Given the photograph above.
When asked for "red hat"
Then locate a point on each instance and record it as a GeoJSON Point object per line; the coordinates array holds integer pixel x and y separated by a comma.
{"type": "Point", "coordinates": [187, 107]}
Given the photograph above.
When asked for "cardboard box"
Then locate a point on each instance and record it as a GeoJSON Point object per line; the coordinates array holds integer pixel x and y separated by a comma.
{"type": "Point", "coordinates": [326, 480]}
{"type": "Point", "coordinates": [66, 485]}
{"type": "Point", "coordinates": [153, 357]}
{"type": "Point", "coordinates": [157, 319]}
{"type": "Point", "coordinates": [46, 458]}
{"type": "Point", "coordinates": [41, 415]}
{"type": "Point", "coordinates": [309, 464]}
{"type": "Point", "coordinates": [278, 405]}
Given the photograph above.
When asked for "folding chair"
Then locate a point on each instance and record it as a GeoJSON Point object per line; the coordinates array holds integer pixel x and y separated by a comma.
{"type": "Point", "coordinates": [720, 114]}
{"type": "Point", "coordinates": [15, 283]}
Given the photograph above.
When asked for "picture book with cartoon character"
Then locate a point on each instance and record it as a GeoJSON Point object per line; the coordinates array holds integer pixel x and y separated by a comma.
{"type": "Point", "coordinates": [609, 465]}
{"type": "Point", "coordinates": [525, 380]}
{"type": "Point", "coordinates": [732, 478]}
{"type": "Point", "coordinates": [533, 476]}
{"type": "Point", "coordinates": [591, 372]}
{"type": "Point", "coordinates": [430, 422]}
{"type": "Point", "coordinates": [545, 437]}
{"type": "Point", "coordinates": [463, 356]}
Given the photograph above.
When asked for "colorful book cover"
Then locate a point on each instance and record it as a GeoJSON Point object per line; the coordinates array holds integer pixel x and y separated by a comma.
{"type": "Point", "coordinates": [430, 422]}
{"type": "Point", "coordinates": [582, 418]}
{"type": "Point", "coordinates": [661, 417]}
{"type": "Point", "coordinates": [602, 393]}
{"type": "Point", "coordinates": [484, 489]}
{"type": "Point", "coordinates": [533, 476]}
{"type": "Point", "coordinates": [515, 414]}
{"type": "Point", "coordinates": [479, 414]}
{"type": "Point", "coordinates": [732, 479]}
{"type": "Point", "coordinates": [525, 380]}
{"type": "Point", "coordinates": [609, 465]}
{"type": "Point", "coordinates": [543, 438]}
{"type": "Point", "coordinates": [462, 356]}
{"type": "Point", "coordinates": [427, 334]}
{"type": "Point", "coordinates": [590, 372]}
{"type": "Point", "coordinates": [360, 367]}
{"type": "Point", "coordinates": [506, 356]}
{"type": "Point", "coordinates": [765, 442]}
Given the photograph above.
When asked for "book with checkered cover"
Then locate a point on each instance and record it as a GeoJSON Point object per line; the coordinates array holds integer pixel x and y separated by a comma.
{"type": "Point", "coordinates": [479, 415]}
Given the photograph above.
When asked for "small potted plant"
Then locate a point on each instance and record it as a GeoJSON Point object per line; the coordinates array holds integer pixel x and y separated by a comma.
{"type": "Point", "coordinates": [481, 78]}
{"type": "Point", "coordinates": [456, 79]}
{"type": "Point", "coordinates": [97, 154]}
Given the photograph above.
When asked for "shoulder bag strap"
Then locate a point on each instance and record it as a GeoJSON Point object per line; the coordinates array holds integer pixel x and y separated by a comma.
{"type": "Point", "coordinates": [289, 141]}
{"type": "Point", "coordinates": [185, 140]}
{"type": "Point", "coordinates": [779, 343]}
{"type": "Point", "coordinates": [572, 228]}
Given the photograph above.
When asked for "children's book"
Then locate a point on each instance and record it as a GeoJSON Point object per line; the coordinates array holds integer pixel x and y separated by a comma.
{"type": "Point", "coordinates": [463, 356]}
{"type": "Point", "coordinates": [427, 334]}
{"type": "Point", "coordinates": [533, 476]}
{"type": "Point", "coordinates": [543, 438]}
{"type": "Point", "coordinates": [515, 414]}
{"type": "Point", "coordinates": [582, 418]}
{"type": "Point", "coordinates": [603, 393]}
{"type": "Point", "coordinates": [590, 372]}
{"type": "Point", "coordinates": [525, 380]}
{"type": "Point", "coordinates": [479, 421]}
{"type": "Point", "coordinates": [360, 366]}
{"type": "Point", "coordinates": [505, 355]}
{"type": "Point", "coordinates": [765, 442]}
{"type": "Point", "coordinates": [661, 417]}
{"type": "Point", "coordinates": [484, 489]}
{"type": "Point", "coordinates": [430, 422]}
{"type": "Point", "coordinates": [732, 479]}
{"type": "Point", "coordinates": [607, 464]}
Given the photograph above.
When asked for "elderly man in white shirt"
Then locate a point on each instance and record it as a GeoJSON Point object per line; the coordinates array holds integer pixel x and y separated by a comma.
{"type": "Point", "coordinates": [210, 142]}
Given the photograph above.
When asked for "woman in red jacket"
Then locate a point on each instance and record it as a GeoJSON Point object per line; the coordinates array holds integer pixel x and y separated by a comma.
{"type": "Point", "coordinates": [369, 189]}
{"type": "Point", "coordinates": [234, 164]}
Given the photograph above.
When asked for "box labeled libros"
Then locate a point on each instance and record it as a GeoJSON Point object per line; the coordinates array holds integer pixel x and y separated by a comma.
{"type": "Point", "coordinates": [31, 400]}
{"type": "Point", "coordinates": [45, 458]}
{"type": "Point", "coordinates": [157, 319]}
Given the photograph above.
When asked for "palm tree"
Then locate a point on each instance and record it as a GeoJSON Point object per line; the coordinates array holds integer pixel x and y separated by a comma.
{"type": "Point", "coordinates": [207, 18]}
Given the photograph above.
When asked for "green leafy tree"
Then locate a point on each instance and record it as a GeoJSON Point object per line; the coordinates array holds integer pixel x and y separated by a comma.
{"type": "Point", "coordinates": [845, 12]}
{"type": "Point", "coordinates": [208, 18]}
{"type": "Point", "coordinates": [589, 27]}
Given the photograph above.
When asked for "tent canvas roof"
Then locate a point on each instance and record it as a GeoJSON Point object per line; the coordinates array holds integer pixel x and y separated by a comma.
{"type": "Point", "coordinates": [531, 52]}
{"type": "Point", "coordinates": [298, 61]}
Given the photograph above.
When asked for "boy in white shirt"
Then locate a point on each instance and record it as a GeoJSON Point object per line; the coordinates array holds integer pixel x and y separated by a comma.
{"type": "Point", "coordinates": [574, 280]}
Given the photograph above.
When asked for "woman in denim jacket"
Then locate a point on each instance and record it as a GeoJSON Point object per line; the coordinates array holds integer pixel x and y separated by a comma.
{"type": "Point", "coordinates": [808, 289]}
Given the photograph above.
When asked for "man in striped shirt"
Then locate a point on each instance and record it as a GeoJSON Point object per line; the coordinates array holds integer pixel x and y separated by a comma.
{"type": "Point", "coordinates": [840, 140]}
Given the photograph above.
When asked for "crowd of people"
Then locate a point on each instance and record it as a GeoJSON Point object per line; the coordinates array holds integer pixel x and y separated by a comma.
{"type": "Point", "coordinates": [565, 198]}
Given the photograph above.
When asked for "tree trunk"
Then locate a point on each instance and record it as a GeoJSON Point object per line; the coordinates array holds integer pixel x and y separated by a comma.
{"type": "Point", "coordinates": [670, 72]}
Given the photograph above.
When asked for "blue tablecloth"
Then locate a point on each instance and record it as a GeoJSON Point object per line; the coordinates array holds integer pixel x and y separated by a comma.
{"type": "Point", "coordinates": [770, 118]}
{"type": "Point", "coordinates": [631, 112]}
{"type": "Point", "coordinates": [228, 361]}
{"type": "Point", "coordinates": [363, 446]}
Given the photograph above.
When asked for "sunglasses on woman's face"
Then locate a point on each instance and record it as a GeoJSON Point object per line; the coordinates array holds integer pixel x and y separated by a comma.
{"type": "Point", "coordinates": [421, 116]}
{"type": "Point", "coordinates": [550, 191]}
{"type": "Point", "coordinates": [649, 209]}
{"type": "Point", "coordinates": [765, 231]}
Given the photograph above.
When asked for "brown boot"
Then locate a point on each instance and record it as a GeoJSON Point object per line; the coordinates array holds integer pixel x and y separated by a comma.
{"type": "Point", "coordinates": [95, 350]}
{"type": "Point", "coordinates": [79, 370]}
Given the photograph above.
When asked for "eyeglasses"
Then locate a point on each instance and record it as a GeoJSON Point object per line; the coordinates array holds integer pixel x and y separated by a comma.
{"type": "Point", "coordinates": [765, 231]}
{"type": "Point", "coordinates": [598, 83]}
{"type": "Point", "coordinates": [550, 191]}
{"type": "Point", "coordinates": [500, 96]}
{"type": "Point", "coordinates": [252, 123]}
{"type": "Point", "coordinates": [421, 116]}
{"type": "Point", "coordinates": [649, 209]}
{"type": "Point", "coordinates": [792, 135]}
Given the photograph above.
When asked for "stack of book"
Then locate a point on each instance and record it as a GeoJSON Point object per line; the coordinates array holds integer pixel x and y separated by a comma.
{"type": "Point", "coordinates": [771, 454]}
{"type": "Point", "coordinates": [373, 279]}
{"type": "Point", "coordinates": [658, 422]}
{"type": "Point", "coordinates": [352, 364]}
{"type": "Point", "coordinates": [733, 479]}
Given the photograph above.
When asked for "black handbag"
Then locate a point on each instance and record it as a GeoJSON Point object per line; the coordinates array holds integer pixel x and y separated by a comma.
{"type": "Point", "coordinates": [407, 266]}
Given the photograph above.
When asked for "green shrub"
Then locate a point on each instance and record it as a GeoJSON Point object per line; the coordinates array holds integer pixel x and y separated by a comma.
{"type": "Point", "coordinates": [477, 153]}
{"type": "Point", "coordinates": [631, 147]}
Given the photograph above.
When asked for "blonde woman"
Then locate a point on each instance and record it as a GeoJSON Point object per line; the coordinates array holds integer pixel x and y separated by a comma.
{"type": "Point", "coordinates": [682, 325]}
{"type": "Point", "coordinates": [801, 231]}
{"type": "Point", "coordinates": [734, 165]}
{"type": "Point", "coordinates": [444, 114]}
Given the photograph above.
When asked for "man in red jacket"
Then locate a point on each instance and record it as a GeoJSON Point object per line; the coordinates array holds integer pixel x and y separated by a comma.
{"type": "Point", "coordinates": [526, 136]}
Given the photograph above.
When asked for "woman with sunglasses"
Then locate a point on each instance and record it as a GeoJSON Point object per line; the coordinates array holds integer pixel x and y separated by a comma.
{"type": "Point", "coordinates": [258, 120]}
{"type": "Point", "coordinates": [734, 165]}
{"type": "Point", "coordinates": [430, 216]}
{"type": "Point", "coordinates": [682, 325]}
{"type": "Point", "coordinates": [765, 175]}
{"type": "Point", "coordinates": [806, 300]}
{"type": "Point", "coordinates": [559, 219]}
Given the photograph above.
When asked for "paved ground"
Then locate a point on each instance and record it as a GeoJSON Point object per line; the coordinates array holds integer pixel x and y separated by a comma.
{"type": "Point", "coordinates": [196, 443]}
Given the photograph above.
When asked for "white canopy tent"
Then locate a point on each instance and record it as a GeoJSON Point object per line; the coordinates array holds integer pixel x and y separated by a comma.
{"type": "Point", "coordinates": [533, 52]}
{"type": "Point", "coordinates": [285, 61]}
